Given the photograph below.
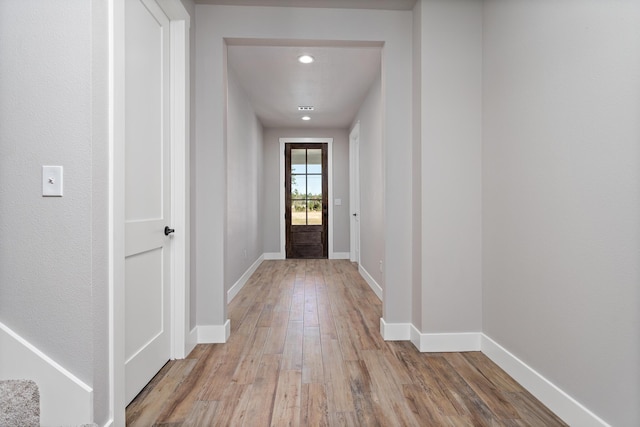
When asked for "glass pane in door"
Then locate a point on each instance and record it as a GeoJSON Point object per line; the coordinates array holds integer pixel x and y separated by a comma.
{"type": "Point", "coordinates": [314, 211]}
{"type": "Point", "coordinates": [298, 212]}
{"type": "Point", "coordinates": [298, 186]}
{"type": "Point", "coordinates": [306, 186]}
{"type": "Point", "coordinates": [314, 160]}
{"type": "Point", "coordinates": [314, 186]}
{"type": "Point", "coordinates": [298, 160]}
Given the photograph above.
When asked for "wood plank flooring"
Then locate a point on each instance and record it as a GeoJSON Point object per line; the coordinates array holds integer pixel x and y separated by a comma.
{"type": "Point", "coordinates": [305, 350]}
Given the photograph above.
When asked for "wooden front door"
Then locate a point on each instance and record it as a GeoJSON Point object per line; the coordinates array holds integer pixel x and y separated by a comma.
{"type": "Point", "coordinates": [306, 206]}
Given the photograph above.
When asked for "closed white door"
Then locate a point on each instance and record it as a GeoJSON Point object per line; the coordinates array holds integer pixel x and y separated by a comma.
{"type": "Point", "coordinates": [147, 194]}
{"type": "Point", "coordinates": [354, 192]}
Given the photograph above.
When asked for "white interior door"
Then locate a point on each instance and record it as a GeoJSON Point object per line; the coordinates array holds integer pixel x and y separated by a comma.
{"type": "Point", "coordinates": [354, 192]}
{"type": "Point", "coordinates": [147, 193]}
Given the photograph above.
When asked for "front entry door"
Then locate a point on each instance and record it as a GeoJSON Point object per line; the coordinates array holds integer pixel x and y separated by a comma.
{"type": "Point", "coordinates": [147, 194]}
{"type": "Point", "coordinates": [306, 207]}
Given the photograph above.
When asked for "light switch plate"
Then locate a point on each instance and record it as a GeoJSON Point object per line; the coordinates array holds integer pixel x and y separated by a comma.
{"type": "Point", "coordinates": [338, 202]}
{"type": "Point", "coordinates": [52, 181]}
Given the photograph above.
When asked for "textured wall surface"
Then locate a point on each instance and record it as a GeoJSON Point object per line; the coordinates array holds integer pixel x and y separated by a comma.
{"type": "Point", "coordinates": [561, 195]}
{"type": "Point", "coordinates": [372, 183]}
{"type": "Point", "coordinates": [451, 119]}
{"type": "Point", "coordinates": [45, 119]}
{"type": "Point", "coordinates": [244, 184]}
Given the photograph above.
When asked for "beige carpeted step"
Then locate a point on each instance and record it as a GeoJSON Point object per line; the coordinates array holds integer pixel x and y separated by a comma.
{"type": "Point", "coordinates": [19, 403]}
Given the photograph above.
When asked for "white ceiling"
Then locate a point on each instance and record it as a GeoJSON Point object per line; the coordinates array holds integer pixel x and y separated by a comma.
{"type": "Point", "coordinates": [276, 83]}
{"type": "Point", "coordinates": [342, 4]}
{"type": "Point", "coordinates": [335, 84]}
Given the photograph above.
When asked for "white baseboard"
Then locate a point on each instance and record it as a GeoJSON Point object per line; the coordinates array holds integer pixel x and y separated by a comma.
{"type": "Point", "coordinates": [192, 341]}
{"type": "Point", "coordinates": [395, 331]}
{"type": "Point", "coordinates": [445, 342]}
{"type": "Point", "coordinates": [214, 334]}
{"type": "Point", "coordinates": [339, 255]}
{"type": "Point", "coordinates": [233, 291]}
{"type": "Point", "coordinates": [280, 255]}
{"type": "Point", "coordinates": [64, 399]}
{"type": "Point", "coordinates": [377, 289]}
{"type": "Point", "coordinates": [274, 255]}
{"type": "Point", "coordinates": [563, 405]}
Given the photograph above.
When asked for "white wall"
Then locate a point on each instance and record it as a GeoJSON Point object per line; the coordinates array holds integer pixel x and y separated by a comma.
{"type": "Point", "coordinates": [372, 194]}
{"type": "Point", "coordinates": [100, 211]}
{"type": "Point", "coordinates": [341, 219]}
{"type": "Point", "coordinates": [191, 8]}
{"type": "Point", "coordinates": [45, 114]}
{"type": "Point", "coordinates": [416, 166]}
{"type": "Point", "coordinates": [53, 255]}
{"type": "Point", "coordinates": [213, 24]}
{"type": "Point", "coordinates": [340, 161]}
{"type": "Point", "coordinates": [244, 228]}
{"type": "Point", "coordinates": [451, 115]}
{"type": "Point", "coordinates": [561, 195]}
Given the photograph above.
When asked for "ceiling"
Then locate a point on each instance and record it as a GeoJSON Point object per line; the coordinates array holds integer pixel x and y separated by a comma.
{"type": "Point", "coordinates": [341, 4]}
{"type": "Point", "coordinates": [335, 84]}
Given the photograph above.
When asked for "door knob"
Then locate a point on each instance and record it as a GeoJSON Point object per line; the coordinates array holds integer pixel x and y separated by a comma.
{"type": "Point", "coordinates": [168, 231]}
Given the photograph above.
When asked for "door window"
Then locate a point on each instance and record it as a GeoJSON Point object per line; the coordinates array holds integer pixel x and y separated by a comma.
{"type": "Point", "coordinates": [306, 186]}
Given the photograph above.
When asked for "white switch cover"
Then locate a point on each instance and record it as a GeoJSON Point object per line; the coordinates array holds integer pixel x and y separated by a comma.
{"type": "Point", "coordinates": [52, 181]}
{"type": "Point", "coordinates": [338, 202]}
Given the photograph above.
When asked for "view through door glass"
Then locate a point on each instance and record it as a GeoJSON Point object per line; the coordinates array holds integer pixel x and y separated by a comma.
{"type": "Point", "coordinates": [306, 210]}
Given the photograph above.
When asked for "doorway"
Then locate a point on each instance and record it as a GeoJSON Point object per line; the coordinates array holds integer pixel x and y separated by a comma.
{"type": "Point", "coordinates": [147, 185]}
{"type": "Point", "coordinates": [149, 130]}
{"type": "Point", "coordinates": [306, 200]}
{"type": "Point", "coordinates": [354, 193]}
{"type": "Point", "coordinates": [282, 186]}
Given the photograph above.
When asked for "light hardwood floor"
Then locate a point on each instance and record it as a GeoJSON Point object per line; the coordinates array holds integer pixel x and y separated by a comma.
{"type": "Point", "coordinates": [305, 350]}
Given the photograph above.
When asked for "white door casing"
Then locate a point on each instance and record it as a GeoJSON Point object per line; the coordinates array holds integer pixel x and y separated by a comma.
{"type": "Point", "coordinates": [354, 193]}
{"type": "Point", "coordinates": [147, 193]}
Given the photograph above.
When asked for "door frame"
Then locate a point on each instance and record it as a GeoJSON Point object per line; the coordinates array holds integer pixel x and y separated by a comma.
{"type": "Point", "coordinates": [283, 225]}
{"type": "Point", "coordinates": [354, 193]}
{"type": "Point", "coordinates": [180, 170]}
{"type": "Point", "coordinates": [289, 229]}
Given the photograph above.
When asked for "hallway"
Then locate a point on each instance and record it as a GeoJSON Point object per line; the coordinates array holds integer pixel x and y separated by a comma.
{"type": "Point", "coordinates": [305, 350]}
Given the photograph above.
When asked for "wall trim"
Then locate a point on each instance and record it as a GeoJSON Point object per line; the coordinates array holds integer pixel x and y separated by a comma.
{"type": "Point", "coordinates": [192, 340]}
{"type": "Point", "coordinates": [445, 342]}
{"type": "Point", "coordinates": [395, 331]}
{"type": "Point", "coordinates": [281, 255]}
{"type": "Point", "coordinates": [180, 173]}
{"type": "Point", "coordinates": [273, 255]}
{"type": "Point", "coordinates": [339, 255]}
{"type": "Point", "coordinates": [558, 401]}
{"type": "Point", "coordinates": [64, 399]}
{"type": "Point", "coordinates": [375, 287]}
{"type": "Point", "coordinates": [562, 404]}
{"type": "Point", "coordinates": [233, 290]}
{"type": "Point", "coordinates": [214, 334]}
{"type": "Point", "coordinates": [109, 423]}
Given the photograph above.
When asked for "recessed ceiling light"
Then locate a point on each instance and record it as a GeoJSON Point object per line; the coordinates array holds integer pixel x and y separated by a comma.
{"type": "Point", "coordinates": [305, 108]}
{"type": "Point", "coordinates": [306, 118]}
{"type": "Point", "coordinates": [306, 59]}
